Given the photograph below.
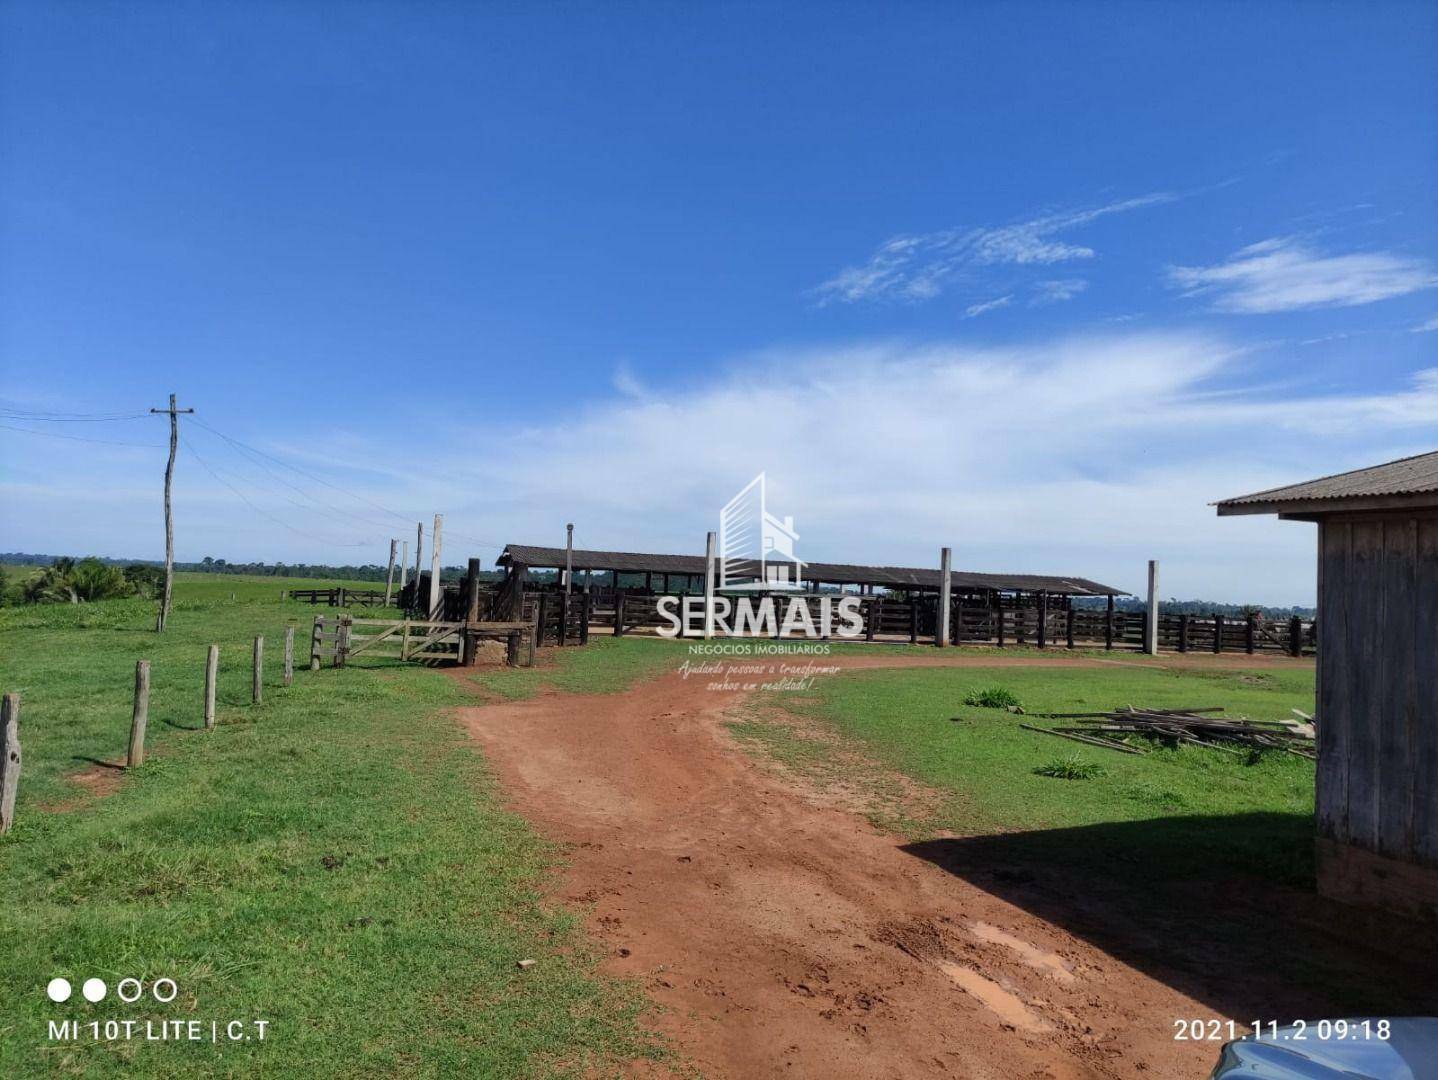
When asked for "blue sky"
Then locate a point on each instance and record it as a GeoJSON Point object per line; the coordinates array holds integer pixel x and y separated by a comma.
{"type": "Point", "coordinates": [1038, 281]}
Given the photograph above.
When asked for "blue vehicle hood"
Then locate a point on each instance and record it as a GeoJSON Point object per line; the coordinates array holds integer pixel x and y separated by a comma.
{"type": "Point", "coordinates": [1410, 1053]}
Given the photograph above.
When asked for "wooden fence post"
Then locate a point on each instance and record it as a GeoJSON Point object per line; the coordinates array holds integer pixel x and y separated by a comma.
{"type": "Point", "coordinates": [913, 620]}
{"type": "Point", "coordinates": [316, 642]}
{"type": "Point", "coordinates": [212, 674]}
{"type": "Point", "coordinates": [541, 613]}
{"type": "Point", "coordinates": [256, 682]}
{"type": "Point", "coordinates": [584, 618]}
{"type": "Point", "coordinates": [1250, 630]}
{"type": "Point", "coordinates": [342, 641]}
{"type": "Point", "coordinates": [1150, 622]}
{"type": "Point", "coordinates": [1069, 626]}
{"type": "Point", "coordinates": [534, 632]}
{"type": "Point", "coordinates": [1108, 624]}
{"type": "Point", "coordinates": [140, 718]}
{"type": "Point", "coordinates": [1183, 633]}
{"type": "Point", "coordinates": [946, 595]}
{"type": "Point", "coordinates": [389, 575]}
{"type": "Point", "coordinates": [871, 618]}
{"type": "Point", "coordinates": [289, 655]}
{"type": "Point", "coordinates": [1043, 620]}
{"type": "Point", "coordinates": [999, 623]}
{"type": "Point", "coordinates": [1217, 632]}
{"type": "Point", "coordinates": [1295, 636]}
{"type": "Point", "coordinates": [564, 618]}
{"type": "Point", "coordinates": [9, 759]}
{"type": "Point", "coordinates": [619, 613]}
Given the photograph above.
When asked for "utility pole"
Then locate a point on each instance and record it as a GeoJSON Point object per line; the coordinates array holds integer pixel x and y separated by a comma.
{"type": "Point", "coordinates": [435, 544]}
{"type": "Point", "coordinates": [389, 576]}
{"type": "Point", "coordinates": [418, 555]}
{"type": "Point", "coordinates": [568, 555]}
{"type": "Point", "coordinates": [164, 616]}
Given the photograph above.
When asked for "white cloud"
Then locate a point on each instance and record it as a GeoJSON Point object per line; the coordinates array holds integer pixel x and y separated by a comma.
{"type": "Point", "coordinates": [1283, 274]}
{"type": "Point", "coordinates": [1055, 292]}
{"type": "Point", "coordinates": [1065, 456]}
{"type": "Point", "coordinates": [1427, 327]}
{"type": "Point", "coordinates": [919, 267]}
{"type": "Point", "coordinates": [987, 305]}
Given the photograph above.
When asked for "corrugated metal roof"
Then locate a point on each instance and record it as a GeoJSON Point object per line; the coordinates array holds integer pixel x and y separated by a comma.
{"type": "Point", "coordinates": [897, 577]}
{"type": "Point", "coordinates": [1411, 476]}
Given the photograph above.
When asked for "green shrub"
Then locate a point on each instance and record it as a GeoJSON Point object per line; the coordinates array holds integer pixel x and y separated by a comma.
{"type": "Point", "coordinates": [993, 697]}
{"type": "Point", "coordinates": [1070, 768]}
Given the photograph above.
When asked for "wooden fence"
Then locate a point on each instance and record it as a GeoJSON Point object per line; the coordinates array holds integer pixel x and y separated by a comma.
{"type": "Point", "coordinates": [915, 620]}
{"type": "Point", "coordinates": [339, 597]}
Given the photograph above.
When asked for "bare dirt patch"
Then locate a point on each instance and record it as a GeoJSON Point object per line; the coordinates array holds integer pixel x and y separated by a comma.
{"type": "Point", "coordinates": [783, 934]}
{"type": "Point", "coordinates": [93, 783]}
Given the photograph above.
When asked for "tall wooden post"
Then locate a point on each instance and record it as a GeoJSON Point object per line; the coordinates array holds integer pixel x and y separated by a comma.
{"type": "Point", "coordinates": [164, 616]}
{"type": "Point", "coordinates": [212, 675]}
{"type": "Point", "coordinates": [540, 614]}
{"type": "Point", "coordinates": [389, 574]}
{"type": "Point", "coordinates": [946, 585]}
{"type": "Point", "coordinates": [1183, 633]}
{"type": "Point", "coordinates": [289, 655]}
{"type": "Point", "coordinates": [709, 580]}
{"type": "Point", "coordinates": [1069, 626]}
{"type": "Point", "coordinates": [568, 556]}
{"type": "Point", "coordinates": [418, 600]}
{"type": "Point", "coordinates": [913, 619]}
{"type": "Point", "coordinates": [619, 613]}
{"type": "Point", "coordinates": [317, 642]}
{"type": "Point", "coordinates": [1108, 624]}
{"type": "Point", "coordinates": [471, 613]}
{"type": "Point", "coordinates": [403, 564]}
{"type": "Point", "coordinates": [584, 612]}
{"type": "Point", "coordinates": [1295, 636]}
{"type": "Point", "coordinates": [1250, 633]}
{"type": "Point", "coordinates": [140, 717]}
{"type": "Point", "coordinates": [1043, 641]}
{"type": "Point", "coordinates": [258, 675]}
{"type": "Point", "coordinates": [9, 759]}
{"type": "Point", "coordinates": [1150, 637]}
{"type": "Point", "coordinates": [436, 543]}
{"type": "Point", "coordinates": [1217, 632]}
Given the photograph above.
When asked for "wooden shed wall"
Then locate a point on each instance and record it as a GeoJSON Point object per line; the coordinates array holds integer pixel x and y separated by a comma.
{"type": "Point", "coordinates": [1378, 684]}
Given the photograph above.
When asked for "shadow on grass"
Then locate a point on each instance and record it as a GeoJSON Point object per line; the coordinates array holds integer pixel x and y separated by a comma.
{"type": "Point", "coordinates": [118, 766]}
{"type": "Point", "coordinates": [1222, 909]}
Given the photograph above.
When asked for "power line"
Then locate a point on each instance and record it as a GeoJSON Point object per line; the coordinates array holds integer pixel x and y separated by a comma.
{"type": "Point", "coordinates": [335, 487]}
{"type": "Point", "coordinates": [69, 418]}
{"type": "Point", "coordinates": [264, 513]}
{"type": "Point", "coordinates": [81, 438]}
{"type": "Point", "coordinates": [249, 456]}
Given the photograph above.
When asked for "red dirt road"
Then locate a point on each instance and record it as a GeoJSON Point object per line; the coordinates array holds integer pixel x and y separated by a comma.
{"type": "Point", "coordinates": [783, 935]}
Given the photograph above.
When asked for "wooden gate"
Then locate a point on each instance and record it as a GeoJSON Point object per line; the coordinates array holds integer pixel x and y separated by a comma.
{"type": "Point", "coordinates": [395, 639]}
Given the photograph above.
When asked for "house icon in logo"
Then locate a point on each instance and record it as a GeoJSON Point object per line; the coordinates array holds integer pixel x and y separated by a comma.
{"type": "Point", "coordinates": [756, 549]}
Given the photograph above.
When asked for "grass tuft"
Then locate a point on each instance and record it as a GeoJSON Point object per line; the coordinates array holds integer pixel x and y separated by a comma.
{"type": "Point", "coordinates": [993, 697]}
{"type": "Point", "coordinates": [1072, 767]}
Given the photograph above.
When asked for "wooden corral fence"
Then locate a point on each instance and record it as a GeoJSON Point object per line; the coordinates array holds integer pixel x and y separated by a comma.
{"type": "Point", "coordinates": [339, 597]}
{"type": "Point", "coordinates": [1040, 620]}
{"type": "Point", "coordinates": [915, 619]}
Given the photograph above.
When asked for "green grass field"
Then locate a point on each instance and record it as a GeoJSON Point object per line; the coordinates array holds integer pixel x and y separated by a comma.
{"type": "Point", "coordinates": [982, 764]}
{"type": "Point", "coordinates": [333, 861]}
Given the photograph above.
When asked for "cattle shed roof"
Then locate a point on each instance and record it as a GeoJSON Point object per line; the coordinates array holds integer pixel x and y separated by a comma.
{"type": "Point", "coordinates": [1408, 483]}
{"type": "Point", "coordinates": [893, 577]}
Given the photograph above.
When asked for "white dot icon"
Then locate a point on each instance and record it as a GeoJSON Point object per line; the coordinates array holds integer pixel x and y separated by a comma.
{"type": "Point", "coordinates": [58, 989]}
{"type": "Point", "coordinates": [94, 989]}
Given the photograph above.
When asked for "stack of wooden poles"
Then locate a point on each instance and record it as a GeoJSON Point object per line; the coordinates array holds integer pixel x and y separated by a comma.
{"type": "Point", "coordinates": [1200, 726]}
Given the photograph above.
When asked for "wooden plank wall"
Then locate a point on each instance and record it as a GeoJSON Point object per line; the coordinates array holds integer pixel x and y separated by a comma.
{"type": "Point", "coordinates": [1378, 684]}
